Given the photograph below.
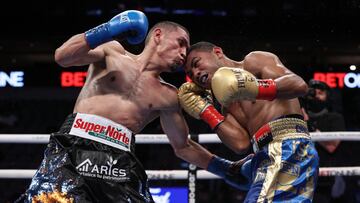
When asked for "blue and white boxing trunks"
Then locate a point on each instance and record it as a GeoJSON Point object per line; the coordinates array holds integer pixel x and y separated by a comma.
{"type": "Point", "coordinates": [285, 165]}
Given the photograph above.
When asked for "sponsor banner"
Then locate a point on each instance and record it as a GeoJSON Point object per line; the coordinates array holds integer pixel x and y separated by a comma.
{"type": "Point", "coordinates": [339, 80]}
{"type": "Point", "coordinates": [101, 130]}
{"type": "Point", "coordinates": [102, 166]}
{"type": "Point", "coordinates": [192, 183]}
{"type": "Point", "coordinates": [73, 79]}
{"type": "Point", "coordinates": [12, 79]}
{"type": "Point", "coordinates": [169, 194]}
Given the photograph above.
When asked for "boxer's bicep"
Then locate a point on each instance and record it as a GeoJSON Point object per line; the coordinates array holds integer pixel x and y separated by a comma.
{"type": "Point", "coordinates": [171, 118]}
{"type": "Point", "coordinates": [76, 52]}
{"type": "Point", "coordinates": [233, 135]}
{"type": "Point", "coordinates": [265, 65]}
{"type": "Point", "coordinates": [175, 127]}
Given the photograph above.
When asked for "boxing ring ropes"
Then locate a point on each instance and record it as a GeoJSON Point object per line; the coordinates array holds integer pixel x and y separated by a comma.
{"type": "Point", "coordinates": [192, 174]}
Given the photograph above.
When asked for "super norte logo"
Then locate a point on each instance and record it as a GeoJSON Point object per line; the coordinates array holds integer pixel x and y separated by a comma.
{"type": "Point", "coordinates": [106, 171]}
{"type": "Point", "coordinates": [105, 132]}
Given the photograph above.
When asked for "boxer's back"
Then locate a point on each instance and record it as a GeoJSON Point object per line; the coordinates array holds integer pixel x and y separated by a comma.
{"type": "Point", "coordinates": [119, 90]}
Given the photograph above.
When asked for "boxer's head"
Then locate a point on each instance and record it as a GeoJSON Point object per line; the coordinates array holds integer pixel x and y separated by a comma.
{"type": "Point", "coordinates": [170, 40]}
{"type": "Point", "coordinates": [203, 59]}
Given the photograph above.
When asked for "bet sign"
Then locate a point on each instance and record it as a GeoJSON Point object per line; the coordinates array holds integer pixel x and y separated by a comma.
{"type": "Point", "coordinates": [339, 80]}
{"type": "Point", "coordinates": [13, 79]}
{"type": "Point", "coordinates": [72, 79]}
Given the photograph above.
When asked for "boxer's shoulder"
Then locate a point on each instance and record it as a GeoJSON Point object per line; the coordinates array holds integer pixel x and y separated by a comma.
{"type": "Point", "coordinates": [257, 54]}
{"type": "Point", "coordinates": [112, 47]}
{"type": "Point", "coordinates": [258, 57]}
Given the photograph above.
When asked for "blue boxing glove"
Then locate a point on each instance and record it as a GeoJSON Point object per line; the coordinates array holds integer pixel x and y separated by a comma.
{"type": "Point", "coordinates": [236, 174]}
{"type": "Point", "coordinates": [133, 25]}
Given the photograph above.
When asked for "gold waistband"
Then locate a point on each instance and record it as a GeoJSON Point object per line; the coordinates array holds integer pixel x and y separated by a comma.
{"type": "Point", "coordinates": [285, 128]}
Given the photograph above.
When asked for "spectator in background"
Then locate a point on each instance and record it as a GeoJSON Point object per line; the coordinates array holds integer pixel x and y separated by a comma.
{"type": "Point", "coordinates": [320, 118]}
{"type": "Point", "coordinates": [331, 153]}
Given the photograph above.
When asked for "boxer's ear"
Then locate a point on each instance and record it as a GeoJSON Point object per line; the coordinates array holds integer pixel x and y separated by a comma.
{"type": "Point", "coordinates": [218, 52]}
{"type": "Point", "coordinates": [157, 35]}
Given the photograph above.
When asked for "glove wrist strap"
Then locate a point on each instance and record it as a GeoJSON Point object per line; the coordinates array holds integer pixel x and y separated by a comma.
{"type": "Point", "coordinates": [98, 35]}
{"type": "Point", "coordinates": [218, 166]}
{"type": "Point", "coordinates": [267, 89]}
{"type": "Point", "coordinates": [211, 116]}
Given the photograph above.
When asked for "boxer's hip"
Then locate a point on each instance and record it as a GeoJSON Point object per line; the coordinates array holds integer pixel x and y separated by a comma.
{"type": "Point", "coordinates": [92, 159]}
{"type": "Point", "coordinates": [286, 163]}
{"type": "Point", "coordinates": [283, 128]}
{"type": "Point", "coordinates": [113, 136]}
{"type": "Point", "coordinates": [99, 148]}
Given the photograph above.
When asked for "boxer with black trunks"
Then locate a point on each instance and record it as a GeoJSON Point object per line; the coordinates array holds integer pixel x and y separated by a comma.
{"type": "Point", "coordinates": [260, 108]}
{"type": "Point", "coordinates": [91, 158]}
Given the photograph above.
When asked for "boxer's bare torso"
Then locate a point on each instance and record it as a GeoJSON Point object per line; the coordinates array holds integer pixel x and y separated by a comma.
{"type": "Point", "coordinates": [254, 114]}
{"type": "Point", "coordinates": [119, 89]}
{"type": "Point", "coordinates": [127, 88]}
{"type": "Point", "coordinates": [251, 115]}
{"type": "Point", "coordinates": [243, 117]}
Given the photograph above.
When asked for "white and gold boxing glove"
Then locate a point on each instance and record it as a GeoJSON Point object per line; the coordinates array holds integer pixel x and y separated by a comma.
{"type": "Point", "coordinates": [195, 100]}
{"type": "Point", "coordinates": [232, 84]}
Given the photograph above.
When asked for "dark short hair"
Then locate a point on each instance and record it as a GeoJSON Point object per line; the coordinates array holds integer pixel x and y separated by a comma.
{"type": "Point", "coordinates": [201, 46]}
{"type": "Point", "coordinates": [167, 25]}
{"type": "Point", "coordinates": [317, 84]}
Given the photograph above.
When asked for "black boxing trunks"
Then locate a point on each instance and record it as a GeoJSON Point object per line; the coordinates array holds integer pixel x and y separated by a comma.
{"type": "Point", "coordinates": [91, 159]}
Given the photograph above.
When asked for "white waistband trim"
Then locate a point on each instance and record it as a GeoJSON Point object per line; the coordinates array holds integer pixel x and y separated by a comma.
{"type": "Point", "coordinates": [101, 130]}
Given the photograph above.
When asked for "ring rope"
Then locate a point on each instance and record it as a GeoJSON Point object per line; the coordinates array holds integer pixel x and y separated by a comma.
{"type": "Point", "coordinates": [162, 139]}
{"type": "Point", "coordinates": [182, 174]}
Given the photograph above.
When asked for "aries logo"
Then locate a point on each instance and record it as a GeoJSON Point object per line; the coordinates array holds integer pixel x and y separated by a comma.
{"type": "Point", "coordinates": [84, 166]}
{"type": "Point", "coordinates": [102, 171]}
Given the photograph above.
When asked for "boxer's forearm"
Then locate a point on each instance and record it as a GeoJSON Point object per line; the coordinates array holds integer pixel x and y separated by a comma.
{"type": "Point", "coordinates": [76, 51]}
{"type": "Point", "coordinates": [290, 86]}
{"type": "Point", "coordinates": [175, 127]}
{"type": "Point", "coordinates": [194, 154]}
{"type": "Point", "coordinates": [235, 138]}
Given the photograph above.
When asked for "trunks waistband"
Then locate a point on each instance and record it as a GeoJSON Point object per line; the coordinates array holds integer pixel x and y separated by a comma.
{"type": "Point", "coordinates": [284, 127]}
{"type": "Point", "coordinates": [99, 129]}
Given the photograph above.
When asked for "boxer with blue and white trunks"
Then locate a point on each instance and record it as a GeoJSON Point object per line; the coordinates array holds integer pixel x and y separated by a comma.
{"type": "Point", "coordinates": [260, 109]}
{"type": "Point", "coordinates": [285, 164]}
